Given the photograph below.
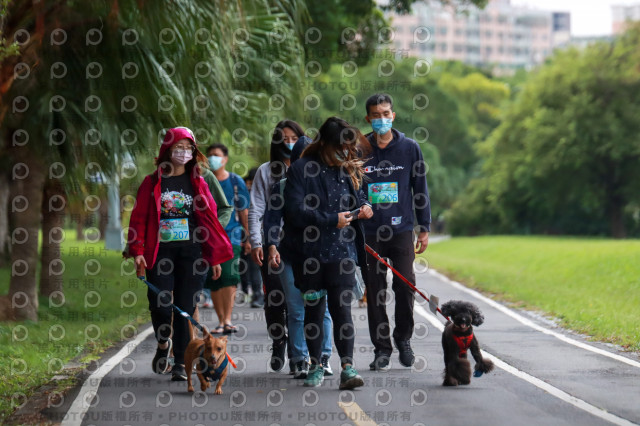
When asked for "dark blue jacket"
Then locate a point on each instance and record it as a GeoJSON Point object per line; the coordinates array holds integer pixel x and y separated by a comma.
{"type": "Point", "coordinates": [400, 163]}
{"type": "Point", "coordinates": [273, 216]}
{"type": "Point", "coordinates": [304, 184]}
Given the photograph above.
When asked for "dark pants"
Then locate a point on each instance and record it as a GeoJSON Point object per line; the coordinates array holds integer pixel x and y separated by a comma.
{"type": "Point", "coordinates": [174, 273]}
{"type": "Point", "coordinates": [339, 286]}
{"type": "Point", "coordinates": [398, 249]}
{"type": "Point", "coordinates": [275, 305]}
{"type": "Point", "coordinates": [250, 276]}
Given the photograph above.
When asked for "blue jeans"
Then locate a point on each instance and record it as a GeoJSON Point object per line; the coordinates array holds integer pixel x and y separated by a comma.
{"type": "Point", "coordinates": [295, 318]}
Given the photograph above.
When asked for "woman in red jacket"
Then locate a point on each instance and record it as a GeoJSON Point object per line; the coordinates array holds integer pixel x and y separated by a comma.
{"type": "Point", "coordinates": [175, 235]}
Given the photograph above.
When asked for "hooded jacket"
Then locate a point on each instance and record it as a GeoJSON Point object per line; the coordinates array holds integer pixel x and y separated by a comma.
{"type": "Point", "coordinates": [145, 217]}
{"type": "Point", "coordinates": [396, 186]}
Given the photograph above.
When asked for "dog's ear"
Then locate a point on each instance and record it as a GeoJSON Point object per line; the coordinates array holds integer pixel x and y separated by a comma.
{"type": "Point", "coordinates": [446, 310]}
{"type": "Point", "coordinates": [450, 308]}
{"type": "Point", "coordinates": [476, 316]}
{"type": "Point", "coordinates": [223, 338]}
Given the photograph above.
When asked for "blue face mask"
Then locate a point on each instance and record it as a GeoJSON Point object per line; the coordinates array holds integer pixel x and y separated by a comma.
{"type": "Point", "coordinates": [290, 146]}
{"type": "Point", "coordinates": [215, 162]}
{"type": "Point", "coordinates": [381, 125]}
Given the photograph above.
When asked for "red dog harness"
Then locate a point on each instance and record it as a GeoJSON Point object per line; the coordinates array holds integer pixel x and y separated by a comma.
{"type": "Point", "coordinates": [464, 342]}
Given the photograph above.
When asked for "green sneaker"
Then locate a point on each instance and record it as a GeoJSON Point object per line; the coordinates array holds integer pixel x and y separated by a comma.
{"type": "Point", "coordinates": [315, 376]}
{"type": "Point", "coordinates": [350, 379]}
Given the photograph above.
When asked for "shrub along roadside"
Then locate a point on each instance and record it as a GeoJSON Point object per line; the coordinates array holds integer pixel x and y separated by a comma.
{"type": "Point", "coordinates": [591, 285]}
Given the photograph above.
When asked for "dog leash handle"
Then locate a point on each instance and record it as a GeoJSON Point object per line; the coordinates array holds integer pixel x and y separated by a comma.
{"type": "Point", "coordinates": [379, 258]}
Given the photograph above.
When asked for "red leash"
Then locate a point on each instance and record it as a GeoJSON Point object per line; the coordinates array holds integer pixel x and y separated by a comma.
{"type": "Point", "coordinates": [399, 275]}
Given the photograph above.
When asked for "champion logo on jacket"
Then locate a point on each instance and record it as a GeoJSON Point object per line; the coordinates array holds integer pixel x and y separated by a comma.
{"type": "Point", "coordinates": [372, 169]}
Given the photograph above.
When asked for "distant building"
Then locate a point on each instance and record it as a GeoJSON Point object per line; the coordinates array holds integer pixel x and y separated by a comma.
{"type": "Point", "coordinates": [622, 15]}
{"type": "Point", "coordinates": [500, 36]}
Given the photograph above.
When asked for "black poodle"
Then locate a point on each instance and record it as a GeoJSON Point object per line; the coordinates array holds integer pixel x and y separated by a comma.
{"type": "Point", "coordinates": [457, 337]}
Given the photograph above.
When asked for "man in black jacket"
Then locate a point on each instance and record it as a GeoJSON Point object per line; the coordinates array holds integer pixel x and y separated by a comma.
{"type": "Point", "coordinates": [396, 187]}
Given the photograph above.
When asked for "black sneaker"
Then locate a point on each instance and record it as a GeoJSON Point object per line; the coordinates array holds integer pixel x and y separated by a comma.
{"type": "Point", "coordinates": [277, 356]}
{"type": "Point", "coordinates": [257, 302]}
{"type": "Point", "coordinates": [380, 362]}
{"type": "Point", "coordinates": [160, 363]}
{"type": "Point", "coordinates": [178, 374]}
{"type": "Point", "coordinates": [324, 360]}
{"type": "Point", "coordinates": [301, 369]}
{"type": "Point", "coordinates": [406, 353]}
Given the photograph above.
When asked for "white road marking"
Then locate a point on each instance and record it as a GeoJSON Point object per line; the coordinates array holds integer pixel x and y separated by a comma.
{"type": "Point", "coordinates": [552, 390]}
{"type": "Point", "coordinates": [80, 405]}
{"type": "Point", "coordinates": [533, 325]}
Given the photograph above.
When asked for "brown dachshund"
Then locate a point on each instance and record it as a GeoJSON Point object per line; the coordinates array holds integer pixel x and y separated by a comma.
{"type": "Point", "coordinates": [210, 353]}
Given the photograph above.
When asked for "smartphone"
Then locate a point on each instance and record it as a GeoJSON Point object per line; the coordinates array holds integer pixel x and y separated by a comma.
{"type": "Point", "coordinates": [354, 213]}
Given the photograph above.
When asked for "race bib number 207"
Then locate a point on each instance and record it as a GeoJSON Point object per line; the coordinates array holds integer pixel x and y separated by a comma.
{"type": "Point", "coordinates": [174, 230]}
{"type": "Point", "coordinates": [383, 192]}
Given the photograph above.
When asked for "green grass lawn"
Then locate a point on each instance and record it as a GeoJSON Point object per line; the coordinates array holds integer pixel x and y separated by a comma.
{"type": "Point", "coordinates": [591, 285]}
{"type": "Point", "coordinates": [89, 321]}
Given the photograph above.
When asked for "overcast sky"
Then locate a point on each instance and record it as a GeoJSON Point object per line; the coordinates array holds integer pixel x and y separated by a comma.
{"type": "Point", "coordinates": [588, 17]}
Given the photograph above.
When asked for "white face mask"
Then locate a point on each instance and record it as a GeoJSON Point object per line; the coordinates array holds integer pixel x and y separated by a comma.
{"type": "Point", "coordinates": [182, 157]}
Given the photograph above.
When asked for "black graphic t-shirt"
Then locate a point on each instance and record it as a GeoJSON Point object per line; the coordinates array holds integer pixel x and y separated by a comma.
{"type": "Point", "coordinates": [177, 221]}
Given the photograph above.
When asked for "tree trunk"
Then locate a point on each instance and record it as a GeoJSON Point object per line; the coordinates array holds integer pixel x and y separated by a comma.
{"type": "Point", "coordinates": [4, 220]}
{"type": "Point", "coordinates": [103, 217]}
{"type": "Point", "coordinates": [53, 204]}
{"type": "Point", "coordinates": [616, 218]}
{"type": "Point", "coordinates": [26, 202]}
{"type": "Point", "coordinates": [80, 227]}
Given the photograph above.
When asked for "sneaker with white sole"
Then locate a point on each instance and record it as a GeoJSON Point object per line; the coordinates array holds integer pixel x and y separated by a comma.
{"type": "Point", "coordinates": [178, 374]}
{"type": "Point", "coordinates": [324, 360]}
{"type": "Point", "coordinates": [349, 378]}
{"type": "Point", "coordinates": [380, 362]}
{"type": "Point", "coordinates": [301, 369]}
{"type": "Point", "coordinates": [315, 377]}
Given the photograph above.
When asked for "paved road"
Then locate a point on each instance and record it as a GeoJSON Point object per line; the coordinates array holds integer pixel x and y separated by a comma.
{"type": "Point", "coordinates": [544, 380]}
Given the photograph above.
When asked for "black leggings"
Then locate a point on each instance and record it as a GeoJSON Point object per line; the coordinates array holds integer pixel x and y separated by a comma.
{"type": "Point", "coordinates": [174, 272]}
{"type": "Point", "coordinates": [338, 282]}
{"type": "Point", "coordinates": [275, 306]}
{"type": "Point", "coordinates": [339, 299]}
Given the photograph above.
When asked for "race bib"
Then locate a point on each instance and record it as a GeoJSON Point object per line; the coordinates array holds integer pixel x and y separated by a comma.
{"type": "Point", "coordinates": [383, 192]}
{"type": "Point", "coordinates": [174, 230]}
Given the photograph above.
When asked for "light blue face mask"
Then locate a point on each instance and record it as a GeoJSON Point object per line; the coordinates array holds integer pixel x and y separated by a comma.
{"type": "Point", "coordinates": [290, 146]}
{"type": "Point", "coordinates": [381, 125]}
{"type": "Point", "coordinates": [215, 162]}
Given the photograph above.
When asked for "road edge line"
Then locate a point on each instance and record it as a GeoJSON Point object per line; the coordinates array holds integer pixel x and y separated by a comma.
{"type": "Point", "coordinates": [532, 324]}
{"type": "Point", "coordinates": [80, 406]}
{"type": "Point", "coordinates": [540, 384]}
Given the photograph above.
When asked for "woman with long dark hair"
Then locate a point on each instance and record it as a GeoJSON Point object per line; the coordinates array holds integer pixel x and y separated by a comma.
{"type": "Point", "coordinates": [285, 135]}
{"type": "Point", "coordinates": [174, 234]}
{"type": "Point", "coordinates": [324, 206]}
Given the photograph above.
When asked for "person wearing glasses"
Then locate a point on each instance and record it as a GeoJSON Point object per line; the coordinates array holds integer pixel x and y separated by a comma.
{"type": "Point", "coordinates": [174, 234]}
